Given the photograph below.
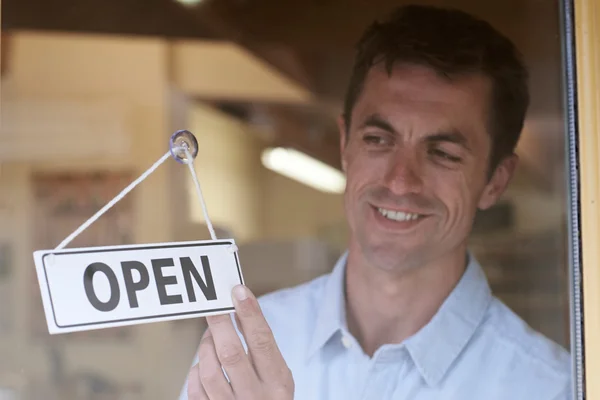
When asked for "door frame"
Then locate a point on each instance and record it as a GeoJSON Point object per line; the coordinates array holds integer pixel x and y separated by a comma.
{"type": "Point", "coordinates": [581, 50]}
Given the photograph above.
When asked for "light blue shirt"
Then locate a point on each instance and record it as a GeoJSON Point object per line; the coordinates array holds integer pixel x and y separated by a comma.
{"type": "Point", "coordinates": [473, 348]}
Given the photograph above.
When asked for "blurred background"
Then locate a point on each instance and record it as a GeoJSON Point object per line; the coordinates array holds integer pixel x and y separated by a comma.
{"type": "Point", "coordinates": [93, 89]}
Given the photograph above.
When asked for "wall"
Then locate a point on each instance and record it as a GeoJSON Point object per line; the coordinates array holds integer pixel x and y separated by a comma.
{"type": "Point", "coordinates": [296, 210]}
{"type": "Point", "coordinates": [129, 74]}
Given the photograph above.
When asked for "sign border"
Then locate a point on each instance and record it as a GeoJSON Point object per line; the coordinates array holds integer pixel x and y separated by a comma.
{"type": "Point", "coordinates": [141, 247]}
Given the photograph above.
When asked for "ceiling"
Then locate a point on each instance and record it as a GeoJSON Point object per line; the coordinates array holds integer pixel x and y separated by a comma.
{"type": "Point", "coordinates": [310, 41]}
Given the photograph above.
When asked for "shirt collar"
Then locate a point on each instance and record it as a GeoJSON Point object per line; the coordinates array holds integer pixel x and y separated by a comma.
{"type": "Point", "coordinates": [331, 316]}
{"type": "Point", "coordinates": [437, 345]}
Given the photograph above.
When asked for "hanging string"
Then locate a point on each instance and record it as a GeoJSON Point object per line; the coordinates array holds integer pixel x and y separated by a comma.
{"type": "Point", "coordinates": [111, 203]}
{"type": "Point", "coordinates": [190, 161]}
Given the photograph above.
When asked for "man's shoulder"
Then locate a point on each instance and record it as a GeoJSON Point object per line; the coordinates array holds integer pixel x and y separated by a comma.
{"type": "Point", "coordinates": [527, 350]}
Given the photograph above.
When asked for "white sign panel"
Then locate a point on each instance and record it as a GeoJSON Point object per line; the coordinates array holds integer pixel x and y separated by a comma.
{"type": "Point", "coordinates": [103, 287]}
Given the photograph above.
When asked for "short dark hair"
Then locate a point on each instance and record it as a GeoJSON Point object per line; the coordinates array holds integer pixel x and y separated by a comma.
{"type": "Point", "coordinates": [453, 43]}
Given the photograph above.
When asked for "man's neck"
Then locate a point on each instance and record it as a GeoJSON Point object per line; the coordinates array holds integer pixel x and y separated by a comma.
{"type": "Point", "coordinates": [388, 307]}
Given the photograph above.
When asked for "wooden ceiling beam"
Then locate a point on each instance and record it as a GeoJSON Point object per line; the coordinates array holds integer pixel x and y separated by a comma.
{"type": "Point", "coordinates": [164, 18]}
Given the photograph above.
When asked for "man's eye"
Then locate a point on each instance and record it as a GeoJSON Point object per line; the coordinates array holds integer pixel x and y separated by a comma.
{"type": "Point", "coordinates": [442, 154]}
{"type": "Point", "coordinates": [375, 140]}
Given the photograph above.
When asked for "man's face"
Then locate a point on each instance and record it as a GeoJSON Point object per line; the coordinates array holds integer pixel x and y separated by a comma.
{"type": "Point", "coordinates": [416, 159]}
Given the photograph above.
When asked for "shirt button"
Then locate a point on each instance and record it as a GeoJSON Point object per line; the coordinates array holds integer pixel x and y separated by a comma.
{"type": "Point", "coordinates": [346, 342]}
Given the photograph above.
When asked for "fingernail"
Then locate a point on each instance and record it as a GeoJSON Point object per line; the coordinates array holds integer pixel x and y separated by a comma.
{"type": "Point", "coordinates": [240, 293]}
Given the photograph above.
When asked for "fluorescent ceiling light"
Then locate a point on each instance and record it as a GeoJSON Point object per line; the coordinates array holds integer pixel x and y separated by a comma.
{"type": "Point", "coordinates": [190, 3]}
{"type": "Point", "coordinates": [304, 169]}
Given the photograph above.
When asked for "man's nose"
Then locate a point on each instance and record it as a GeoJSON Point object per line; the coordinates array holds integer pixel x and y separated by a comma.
{"type": "Point", "coordinates": [403, 174]}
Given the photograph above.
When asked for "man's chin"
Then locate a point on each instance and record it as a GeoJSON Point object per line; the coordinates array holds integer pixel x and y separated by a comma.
{"type": "Point", "coordinates": [395, 258]}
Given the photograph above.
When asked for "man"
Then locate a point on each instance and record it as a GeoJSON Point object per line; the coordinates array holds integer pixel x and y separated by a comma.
{"type": "Point", "coordinates": [434, 110]}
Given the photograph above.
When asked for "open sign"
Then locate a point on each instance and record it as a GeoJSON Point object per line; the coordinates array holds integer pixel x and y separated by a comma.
{"type": "Point", "coordinates": [102, 287]}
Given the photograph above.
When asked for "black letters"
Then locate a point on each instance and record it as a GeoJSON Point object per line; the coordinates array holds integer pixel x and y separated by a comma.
{"type": "Point", "coordinates": [131, 286]}
{"type": "Point", "coordinates": [208, 287]}
{"type": "Point", "coordinates": [88, 284]}
{"type": "Point", "coordinates": [162, 281]}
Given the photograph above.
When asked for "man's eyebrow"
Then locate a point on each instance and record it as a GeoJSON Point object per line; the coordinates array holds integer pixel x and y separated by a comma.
{"type": "Point", "coordinates": [452, 136]}
{"type": "Point", "coordinates": [377, 121]}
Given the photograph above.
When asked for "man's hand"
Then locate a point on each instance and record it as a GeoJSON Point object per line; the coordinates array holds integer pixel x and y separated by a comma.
{"type": "Point", "coordinates": [262, 374]}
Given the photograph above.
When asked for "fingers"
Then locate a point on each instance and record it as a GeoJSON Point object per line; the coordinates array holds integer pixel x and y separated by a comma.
{"type": "Point", "coordinates": [195, 391]}
{"type": "Point", "coordinates": [230, 353]}
{"type": "Point", "coordinates": [266, 357]}
{"type": "Point", "coordinates": [212, 381]}
{"type": "Point", "coordinates": [238, 324]}
{"type": "Point", "coordinates": [262, 373]}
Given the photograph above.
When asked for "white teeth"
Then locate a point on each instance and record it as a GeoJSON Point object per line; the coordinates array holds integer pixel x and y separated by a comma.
{"type": "Point", "coordinates": [397, 215]}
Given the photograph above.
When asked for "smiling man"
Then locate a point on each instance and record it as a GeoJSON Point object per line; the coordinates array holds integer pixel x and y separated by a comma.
{"type": "Point", "coordinates": [432, 116]}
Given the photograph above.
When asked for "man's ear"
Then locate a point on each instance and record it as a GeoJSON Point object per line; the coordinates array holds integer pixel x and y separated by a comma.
{"type": "Point", "coordinates": [498, 182]}
{"type": "Point", "coordinates": [343, 140]}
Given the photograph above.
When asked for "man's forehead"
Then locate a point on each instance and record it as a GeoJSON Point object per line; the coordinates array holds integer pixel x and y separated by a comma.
{"type": "Point", "coordinates": [414, 94]}
{"type": "Point", "coordinates": [421, 82]}
{"type": "Point", "coordinates": [417, 100]}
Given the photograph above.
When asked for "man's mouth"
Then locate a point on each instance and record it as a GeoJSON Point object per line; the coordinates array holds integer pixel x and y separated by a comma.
{"type": "Point", "coordinates": [398, 215]}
